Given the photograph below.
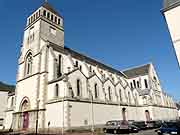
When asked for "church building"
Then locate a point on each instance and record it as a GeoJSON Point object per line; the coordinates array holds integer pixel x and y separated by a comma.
{"type": "Point", "coordinates": [59, 88]}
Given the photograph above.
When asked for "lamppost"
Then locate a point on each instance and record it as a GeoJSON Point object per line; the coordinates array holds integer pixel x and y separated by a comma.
{"type": "Point", "coordinates": [92, 109]}
{"type": "Point", "coordinates": [37, 115]}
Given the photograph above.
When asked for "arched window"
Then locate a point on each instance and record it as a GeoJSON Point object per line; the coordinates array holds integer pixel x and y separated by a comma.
{"type": "Point", "coordinates": [109, 93]}
{"type": "Point", "coordinates": [131, 85]}
{"type": "Point", "coordinates": [59, 66]}
{"type": "Point", "coordinates": [28, 67]}
{"type": "Point", "coordinates": [55, 19]}
{"type": "Point", "coordinates": [145, 83]}
{"type": "Point", "coordinates": [59, 21]}
{"type": "Point", "coordinates": [134, 82]}
{"type": "Point", "coordinates": [129, 97]}
{"type": "Point", "coordinates": [120, 95]}
{"type": "Point", "coordinates": [48, 15]}
{"type": "Point", "coordinates": [44, 13]}
{"type": "Point", "coordinates": [78, 88]}
{"type": "Point", "coordinates": [52, 17]}
{"type": "Point", "coordinates": [56, 93]}
{"type": "Point", "coordinates": [12, 101]}
{"type": "Point", "coordinates": [96, 91]}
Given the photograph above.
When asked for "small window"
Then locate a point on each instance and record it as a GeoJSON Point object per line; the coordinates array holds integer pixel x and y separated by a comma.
{"type": "Point", "coordinates": [48, 15]}
{"type": "Point", "coordinates": [52, 17]}
{"type": "Point", "coordinates": [59, 21]}
{"type": "Point", "coordinates": [34, 17]}
{"type": "Point", "coordinates": [145, 83]}
{"type": "Point", "coordinates": [56, 94]}
{"type": "Point", "coordinates": [29, 21]}
{"type": "Point", "coordinates": [55, 19]}
{"type": "Point", "coordinates": [44, 13]}
{"type": "Point", "coordinates": [37, 15]}
{"type": "Point", "coordinates": [96, 91]}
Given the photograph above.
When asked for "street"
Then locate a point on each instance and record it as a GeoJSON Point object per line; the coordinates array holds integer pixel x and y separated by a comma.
{"type": "Point", "coordinates": [144, 132]}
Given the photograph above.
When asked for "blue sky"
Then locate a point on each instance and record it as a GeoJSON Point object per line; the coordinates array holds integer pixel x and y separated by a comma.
{"type": "Point", "coordinates": [121, 33]}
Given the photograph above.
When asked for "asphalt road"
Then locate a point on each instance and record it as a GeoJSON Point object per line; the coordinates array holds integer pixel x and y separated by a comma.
{"type": "Point", "coordinates": [145, 132]}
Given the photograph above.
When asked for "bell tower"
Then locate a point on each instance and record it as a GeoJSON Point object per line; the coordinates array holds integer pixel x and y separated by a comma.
{"type": "Point", "coordinates": [46, 24]}
{"type": "Point", "coordinates": [171, 12]}
{"type": "Point", "coordinates": [43, 26]}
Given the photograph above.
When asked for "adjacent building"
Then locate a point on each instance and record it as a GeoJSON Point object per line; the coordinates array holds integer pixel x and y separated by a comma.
{"type": "Point", "coordinates": [171, 12]}
{"type": "Point", "coordinates": [62, 88]}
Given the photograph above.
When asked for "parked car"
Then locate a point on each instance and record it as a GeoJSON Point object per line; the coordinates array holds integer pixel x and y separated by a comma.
{"type": "Point", "coordinates": [140, 124]}
{"type": "Point", "coordinates": [133, 128]}
{"type": "Point", "coordinates": [116, 126]}
{"type": "Point", "coordinates": [172, 128]}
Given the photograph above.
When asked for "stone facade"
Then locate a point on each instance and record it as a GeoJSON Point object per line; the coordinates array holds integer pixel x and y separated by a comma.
{"type": "Point", "coordinates": [65, 89]}
{"type": "Point", "coordinates": [171, 12]}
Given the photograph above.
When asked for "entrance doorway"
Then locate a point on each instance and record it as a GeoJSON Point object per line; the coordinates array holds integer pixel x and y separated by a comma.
{"type": "Point", "coordinates": [148, 118]}
{"type": "Point", "coordinates": [25, 120]}
{"type": "Point", "coordinates": [25, 114]}
{"type": "Point", "coordinates": [124, 114]}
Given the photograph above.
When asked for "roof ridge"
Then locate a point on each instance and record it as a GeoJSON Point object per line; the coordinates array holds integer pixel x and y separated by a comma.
{"type": "Point", "coordinates": [137, 66]}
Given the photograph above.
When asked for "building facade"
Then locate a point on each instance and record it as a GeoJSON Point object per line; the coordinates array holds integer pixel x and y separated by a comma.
{"type": "Point", "coordinates": [62, 88]}
{"type": "Point", "coordinates": [171, 11]}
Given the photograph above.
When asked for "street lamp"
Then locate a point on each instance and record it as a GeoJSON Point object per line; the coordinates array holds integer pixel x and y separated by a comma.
{"type": "Point", "coordinates": [92, 109]}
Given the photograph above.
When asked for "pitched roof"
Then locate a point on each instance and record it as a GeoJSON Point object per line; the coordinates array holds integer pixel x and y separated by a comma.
{"type": "Point", "coordinates": [168, 4]}
{"type": "Point", "coordinates": [137, 71]}
{"type": "Point", "coordinates": [50, 8]}
{"type": "Point", "coordinates": [80, 56]}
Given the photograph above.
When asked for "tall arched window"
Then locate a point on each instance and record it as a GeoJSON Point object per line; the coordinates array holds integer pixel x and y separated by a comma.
{"type": "Point", "coordinates": [145, 83]}
{"type": "Point", "coordinates": [28, 67]}
{"type": "Point", "coordinates": [59, 66]}
{"type": "Point", "coordinates": [109, 93]}
{"type": "Point", "coordinates": [131, 85]}
{"type": "Point", "coordinates": [120, 95]}
{"type": "Point", "coordinates": [56, 93]}
{"type": "Point", "coordinates": [78, 88]}
{"type": "Point", "coordinates": [12, 101]}
{"type": "Point", "coordinates": [96, 91]}
{"type": "Point", "coordinates": [129, 97]}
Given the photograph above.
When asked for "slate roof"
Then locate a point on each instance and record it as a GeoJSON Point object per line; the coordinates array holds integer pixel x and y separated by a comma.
{"type": "Point", "coordinates": [137, 71]}
{"type": "Point", "coordinates": [50, 8]}
{"type": "Point", "coordinates": [168, 4]}
{"type": "Point", "coordinates": [83, 57]}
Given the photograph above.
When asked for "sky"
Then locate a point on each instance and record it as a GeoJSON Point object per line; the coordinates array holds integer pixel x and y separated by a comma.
{"type": "Point", "coordinates": [120, 33]}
